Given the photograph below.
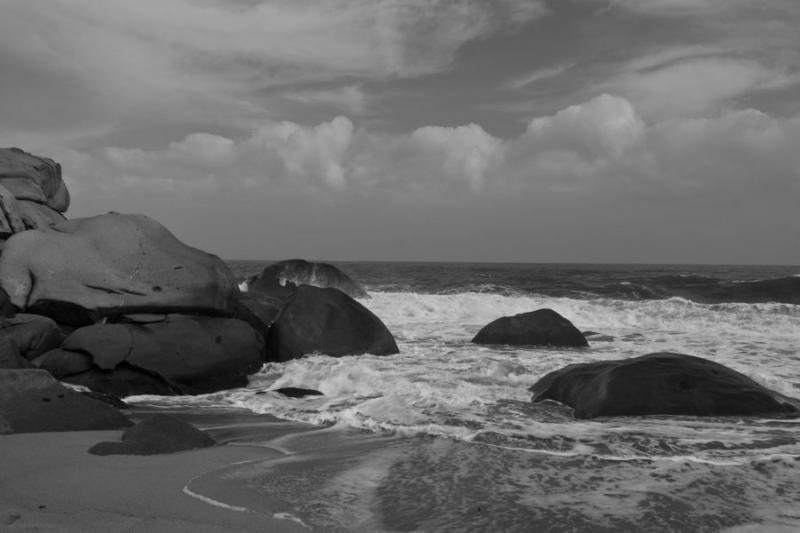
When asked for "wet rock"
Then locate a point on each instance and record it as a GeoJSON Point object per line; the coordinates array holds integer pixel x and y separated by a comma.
{"type": "Point", "coordinates": [83, 270]}
{"type": "Point", "coordinates": [158, 434]}
{"type": "Point", "coordinates": [660, 384]}
{"type": "Point", "coordinates": [543, 327]}
{"type": "Point", "coordinates": [33, 401]}
{"type": "Point", "coordinates": [301, 272]}
{"type": "Point", "coordinates": [327, 321]}
{"type": "Point", "coordinates": [297, 392]}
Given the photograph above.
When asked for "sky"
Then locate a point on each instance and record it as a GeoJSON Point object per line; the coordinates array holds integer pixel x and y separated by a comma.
{"type": "Point", "coordinates": [643, 131]}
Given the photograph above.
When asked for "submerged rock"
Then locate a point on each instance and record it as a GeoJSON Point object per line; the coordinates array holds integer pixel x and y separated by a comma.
{"type": "Point", "coordinates": [178, 355]}
{"type": "Point", "coordinates": [543, 327]}
{"type": "Point", "coordinates": [297, 392]}
{"type": "Point", "coordinates": [301, 272]}
{"type": "Point", "coordinates": [156, 435]}
{"type": "Point", "coordinates": [32, 401]}
{"type": "Point", "coordinates": [315, 320]}
{"type": "Point", "coordinates": [83, 270]}
{"type": "Point", "coordinates": [660, 384]}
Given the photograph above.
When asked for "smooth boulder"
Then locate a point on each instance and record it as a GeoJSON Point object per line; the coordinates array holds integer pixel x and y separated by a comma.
{"type": "Point", "coordinates": [32, 401]}
{"type": "Point", "coordinates": [543, 327]}
{"type": "Point", "coordinates": [302, 272]}
{"type": "Point", "coordinates": [660, 384]}
{"type": "Point", "coordinates": [157, 434]}
{"type": "Point", "coordinates": [180, 354]}
{"type": "Point", "coordinates": [83, 270]}
{"type": "Point", "coordinates": [326, 321]}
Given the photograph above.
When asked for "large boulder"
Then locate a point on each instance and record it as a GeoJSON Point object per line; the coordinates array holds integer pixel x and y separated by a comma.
{"type": "Point", "coordinates": [301, 272]}
{"type": "Point", "coordinates": [33, 178]}
{"type": "Point", "coordinates": [33, 401]}
{"type": "Point", "coordinates": [83, 270]}
{"type": "Point", "coordinates": [157, 434]}
{"type": "Point", "coordinates": [543, 327]}
{"type": "Point", "coordinates": [177, 355]}
{"type": "Point", "coordinates": [327, 321]}
{"type": "Point", "coordinates": [660, 384]}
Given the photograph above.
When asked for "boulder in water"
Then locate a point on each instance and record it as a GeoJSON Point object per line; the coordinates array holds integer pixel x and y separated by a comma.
{"type": "Point", "coordinates": [543, 327]}
{"type": "Point", "coordinates": [179, 355]}
{"type": "Point", "coordinates": [328, 321]}
{"type": "Point", "coordinates": [83, 270]}
{"type": "Point", "coordinates": [301, 272]}
{"type": "Point", "coordinates": [660, 384]}
{"type": "Point", "coordinates": [32, 401]}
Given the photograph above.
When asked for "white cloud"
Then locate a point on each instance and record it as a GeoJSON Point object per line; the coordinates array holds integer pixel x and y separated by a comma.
{"type": "Point", "coordinates": [537, 76]}
{"type": "Point", "coordinates": [693, 87]}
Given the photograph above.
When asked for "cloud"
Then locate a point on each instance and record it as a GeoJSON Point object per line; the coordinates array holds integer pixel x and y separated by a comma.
{"type": "Point", "coordinates": [537, 76]}
{"type": "Point", "coordinates": [667, 85]}
{"type": "Point", "coordinates": [349, 99]}
{"type": "Point", "coordinates": [79, 68]}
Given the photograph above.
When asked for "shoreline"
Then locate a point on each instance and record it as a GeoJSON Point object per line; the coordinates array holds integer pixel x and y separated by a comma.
{"type": "Point", "coordinates": [50, 482]}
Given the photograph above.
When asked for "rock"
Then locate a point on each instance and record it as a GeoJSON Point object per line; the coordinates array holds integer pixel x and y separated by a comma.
{"type": "Point", "coordinates": [301, 272]}
{"type": "Point", "coordinates": [156, 435]}
{"type": "Point", "coordinates": [34, 178]}
{"type": "Point", "coordinates": [297, 392]}
{"type": "Point", "coordinates": [179, 355]}
{"type": "Point", "coordinates": [10, 357]}
{"type": "Point", "coordinates": [660, 384]}
{"type": "Point", "coordinates": [83, 270]}
{"type": "Point", "coordinates": [327, 321]}
{"type": "Point", "coordinates": [33, 335]}
{"type": "Point", "coordinates": [63, 363]}
{"type": "Point", "coordinates": [33, 401]}
{"type": "Point", "coordinates": [543, 327]}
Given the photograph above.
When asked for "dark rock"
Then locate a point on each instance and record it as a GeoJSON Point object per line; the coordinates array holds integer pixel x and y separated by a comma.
{"type": "Point", "coordinates": [156, 435]}
{"type": "Point", "coordinates": [83, 270]}
{"type": "Point", "coordinates": [543, 327]}
{"type": "Point", "coordinates": [107, 398]}
{"type": "Point", "coordinates": [330, 322]}
{"type": "Point", "coordinates": [660, 384]}
{"type": "Point", "coordinates": [33, 401]}
{"type": "Point", "coordinates": [180, 355]}
{"type": "Point", "coordinates": [33, 335]}
{"type": "Point", "coordinates": [64, 363]}
{"type": "Point", "coordinates": [10, 357]}
{"type": "Point", "coordinates": [297, 392]}
{"type": "Point", "coordinates": [301, 272]}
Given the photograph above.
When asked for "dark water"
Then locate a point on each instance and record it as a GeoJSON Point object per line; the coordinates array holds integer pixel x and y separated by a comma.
{"type": "Point", "coordinates": [698, 283]}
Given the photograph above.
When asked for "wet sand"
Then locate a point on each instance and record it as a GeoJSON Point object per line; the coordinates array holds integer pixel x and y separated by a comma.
{"type": "Point", "coordinates": [48, 482]}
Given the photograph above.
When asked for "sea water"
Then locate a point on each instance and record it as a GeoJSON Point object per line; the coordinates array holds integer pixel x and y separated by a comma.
{"type": "Point", "coordinates": [443, 436]}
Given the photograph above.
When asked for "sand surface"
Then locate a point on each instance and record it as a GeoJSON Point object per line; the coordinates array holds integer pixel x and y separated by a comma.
{"type": "Point", "coordinates": [48, 482]}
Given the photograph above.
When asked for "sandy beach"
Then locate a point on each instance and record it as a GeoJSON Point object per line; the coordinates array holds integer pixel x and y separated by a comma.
{"type": "Point", "coordinates": [50, 483]}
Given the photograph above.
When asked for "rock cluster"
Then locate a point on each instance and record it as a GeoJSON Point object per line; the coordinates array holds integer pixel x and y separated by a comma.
{"type": "Point", "coordinates": [118, 304]}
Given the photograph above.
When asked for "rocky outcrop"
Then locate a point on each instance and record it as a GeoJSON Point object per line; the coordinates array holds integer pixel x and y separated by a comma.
{"type": "Point", "coordinates": [660, 384]}
{"type": "Point", "coordinates": [301, 272]}
{"type": "Point", "coordinates": [32, 193]}
{"type": "Point", "coordinates": [32, 401]}
{"type": "Point", "coordinates": [326, 321]}
{"type": "Point", "coordinates": [177, 355]}
{"type": "Point", "coordinates": [543, 327]}
{"type": "Point", "coordinates": [157, 434]}
{"type": "Point", "coordinates": [83, 270]}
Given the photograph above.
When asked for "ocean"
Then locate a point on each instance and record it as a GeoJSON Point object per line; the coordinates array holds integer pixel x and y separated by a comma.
{"type": "Point", "coordinates": [443, 436]}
